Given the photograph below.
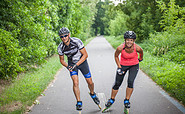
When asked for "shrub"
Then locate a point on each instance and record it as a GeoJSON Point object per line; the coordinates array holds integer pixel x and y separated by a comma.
{"type": "Point", "coordinates": [10, 55]}
{"type": "Point", "coordinates": [167, 74]}
{"type": "Point", "coordinates": [160, 43]}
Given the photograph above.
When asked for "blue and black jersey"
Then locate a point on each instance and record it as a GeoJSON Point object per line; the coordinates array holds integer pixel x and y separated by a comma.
{"type": "Point", "coordinates": [73, 50]}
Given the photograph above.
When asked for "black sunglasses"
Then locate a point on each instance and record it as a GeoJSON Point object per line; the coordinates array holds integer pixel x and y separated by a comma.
{"type": "Point", "coordinates": [63, 36]}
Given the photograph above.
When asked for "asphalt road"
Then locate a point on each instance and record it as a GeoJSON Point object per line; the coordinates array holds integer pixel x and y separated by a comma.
{"type": "Point", "coordinates": [147, 98]}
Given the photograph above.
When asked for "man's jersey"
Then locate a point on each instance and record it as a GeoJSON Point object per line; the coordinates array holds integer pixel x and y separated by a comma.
{"type": "Point", "coordinates": [73, 50]}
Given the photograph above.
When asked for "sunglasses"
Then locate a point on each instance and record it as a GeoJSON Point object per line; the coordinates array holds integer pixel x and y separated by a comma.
{"type": "Point", "coordinates": [63, 36]}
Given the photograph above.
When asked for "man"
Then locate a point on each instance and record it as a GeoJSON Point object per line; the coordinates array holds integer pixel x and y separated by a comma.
{"type": "Point", "coordinates": [76, 53]}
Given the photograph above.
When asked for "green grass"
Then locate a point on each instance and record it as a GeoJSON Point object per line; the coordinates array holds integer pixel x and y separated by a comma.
{"type": "Point", "coordinates": [169, 75]}
{"type": "Point", "coordinates": [28, 86]}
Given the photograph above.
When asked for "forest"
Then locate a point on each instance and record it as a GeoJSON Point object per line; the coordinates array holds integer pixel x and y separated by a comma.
{"type": "Point", "coordinates": [29, 33]}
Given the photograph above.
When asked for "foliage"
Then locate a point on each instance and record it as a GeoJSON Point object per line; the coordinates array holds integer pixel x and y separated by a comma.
{"type": "Point", "coordinates": [164, 51]}
{"type": "Point", "coordinates": [167, 45]}
{"type": "Point", "coordinates": [30, 28]}
{"type": "Point", "coordinates": [28, 87]}
{"type": "Point", "coordinates": [146, 28]}
{"type": "Point", "coordinates": [168, 75]}
{"type": "Point", "coordinates": [142, 16]}
{"type": "Point", "coordinates": [160, 43]}
{"type": "Point", "coordinates": [173, 17]}
{"type": "Point", "coordinates": [10, 54]}
{"type": "Point", "coordinates": [118, 25]}
{"type": "Point", "coordinates": [98, 24]}
{"type": "Point", "coordinates": [176, 54]}
{"type": "Point", "coordinates": [170, 43]}
{"type": "Point", "coordinates": [33, 27]}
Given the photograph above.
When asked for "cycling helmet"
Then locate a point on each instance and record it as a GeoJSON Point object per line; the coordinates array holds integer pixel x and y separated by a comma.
{"type": "Point", "coordinates": [130, 34]}
{"type": "Point", "coordinates": [63, 30]}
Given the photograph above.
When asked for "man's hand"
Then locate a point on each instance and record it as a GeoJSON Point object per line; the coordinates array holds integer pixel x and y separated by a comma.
{"type": "Point", "coordinates": [71, 68]}
{"type": "Point", "coordinates": [120, 72]}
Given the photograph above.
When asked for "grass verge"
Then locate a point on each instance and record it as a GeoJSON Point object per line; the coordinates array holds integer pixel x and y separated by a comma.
{"type": "Point", "coordinates": [24, 90]}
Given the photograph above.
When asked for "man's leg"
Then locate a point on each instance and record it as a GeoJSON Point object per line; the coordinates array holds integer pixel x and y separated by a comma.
{"type": "Point", "coordinates": [90, 85]}
{"type": "Point", "coordinates": [76, 89]}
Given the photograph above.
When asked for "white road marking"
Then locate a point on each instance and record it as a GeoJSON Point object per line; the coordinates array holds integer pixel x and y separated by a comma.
{"type": "Point", "coordinates": [102, 99]}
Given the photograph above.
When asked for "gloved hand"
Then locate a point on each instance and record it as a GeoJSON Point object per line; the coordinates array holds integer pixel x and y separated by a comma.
{"type": "Point", "coordinates": [140, 60]}
{"type": "Point", "coordinates": [120, 72]}
{"type": "Point", "coordinates": [71, 68]}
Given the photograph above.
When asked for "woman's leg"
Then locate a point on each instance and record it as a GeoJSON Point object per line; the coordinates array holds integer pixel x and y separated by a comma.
{"type": "Point", "coordinates": [117, 84]}
{"type": "Point", "coordinates": [132, 75]}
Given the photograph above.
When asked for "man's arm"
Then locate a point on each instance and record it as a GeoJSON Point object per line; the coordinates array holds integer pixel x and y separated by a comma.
{"type": "Point", "coordinates": [62, 60]}
{"type": "Point", "coordinates": [84, 56]}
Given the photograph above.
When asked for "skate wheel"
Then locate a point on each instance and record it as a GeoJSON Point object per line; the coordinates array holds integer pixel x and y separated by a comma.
{"type": "Point", "coordinates": [126, 110]}
{"type": "Point", "coordinates": [104, 110]}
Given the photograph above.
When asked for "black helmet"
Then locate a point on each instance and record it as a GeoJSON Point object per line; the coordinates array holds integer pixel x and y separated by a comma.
{"type": "Point", "coordinates": [63, 30]}
{"type": "Point", "coordinates": [130, 34]}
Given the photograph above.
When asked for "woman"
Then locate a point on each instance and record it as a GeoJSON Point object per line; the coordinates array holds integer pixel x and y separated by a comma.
{"type": "Point", "coordinates": [129, 62]}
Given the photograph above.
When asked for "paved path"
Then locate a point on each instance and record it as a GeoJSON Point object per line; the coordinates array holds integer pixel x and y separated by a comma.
{"type": "Point", "coordinates": [147, 97]}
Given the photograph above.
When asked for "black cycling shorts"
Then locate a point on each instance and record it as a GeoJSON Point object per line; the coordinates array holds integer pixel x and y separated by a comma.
{"type": "Point", "coordinates": [84, 68]}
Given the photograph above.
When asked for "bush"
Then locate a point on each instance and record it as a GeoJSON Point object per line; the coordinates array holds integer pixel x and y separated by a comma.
{"type": "Point", "coordinates": [168, 75]}
{"type": "Point", "coordinates": [30, 32]}
{"type": "Point", "coordinates": [160, 43]}
{"type": "Point", "coordinates": [10, 55]}
{"type": "Point", "coordinates": [176, 54]}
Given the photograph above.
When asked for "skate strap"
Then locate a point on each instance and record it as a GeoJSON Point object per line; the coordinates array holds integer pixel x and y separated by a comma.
{"type": "Point", "coordinates": [112, 101]}
{"type": "Point", "coordinates": [93, 96]}
{"type": "Point", "coordinates": [79, 103]}
{"type": "Point", "coordinates": [126, 101]}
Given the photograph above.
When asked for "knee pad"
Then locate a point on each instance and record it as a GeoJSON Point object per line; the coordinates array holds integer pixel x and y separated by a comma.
{"type": "Point", "coordinates": [116, 85]}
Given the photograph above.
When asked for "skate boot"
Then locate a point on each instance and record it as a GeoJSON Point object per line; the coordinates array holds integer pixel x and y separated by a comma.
{"type": "Point", "coordinates": [127, 103]}
{"type": "Point", "coordinates": [108, 104]}
{"type": "Point", "coordinates": [79, 105]}
{"type": "Point", "coordinates": [126, 106]}
{"type": "Point", "coordinates": [95, 98]}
